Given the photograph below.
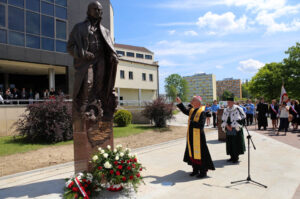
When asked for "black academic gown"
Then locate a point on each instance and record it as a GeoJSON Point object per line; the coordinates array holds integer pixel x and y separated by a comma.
{"type": "Point", "coordinates": [262, 110]}
{"type": "Point", "coordinates": [206, 162]}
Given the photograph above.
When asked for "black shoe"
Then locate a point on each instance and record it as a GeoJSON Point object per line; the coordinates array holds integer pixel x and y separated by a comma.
{"type": "Point", "coordinates": [202, 175]}
{"type": "Point", "coordinates": [194, 173]}
{"type": "Point", "coordinates": [229, 160]}
{"type": "Point", "coordinates": [235, 160]}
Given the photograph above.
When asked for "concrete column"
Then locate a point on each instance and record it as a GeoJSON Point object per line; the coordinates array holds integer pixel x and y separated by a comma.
{"type": "Point", "coordinates": [140, 96]}
{"type": "Point", "coordinates": [51, 73]}
{"type": "Point", "coordinates": [6, 81]}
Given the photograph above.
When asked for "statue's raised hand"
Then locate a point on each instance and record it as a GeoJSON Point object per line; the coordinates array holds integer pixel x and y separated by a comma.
{"type": "Point", "coordinates": [88, 55]}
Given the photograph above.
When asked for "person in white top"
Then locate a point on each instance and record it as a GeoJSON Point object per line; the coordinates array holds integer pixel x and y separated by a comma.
{"type": "Point", "coordinates": [284, 118]}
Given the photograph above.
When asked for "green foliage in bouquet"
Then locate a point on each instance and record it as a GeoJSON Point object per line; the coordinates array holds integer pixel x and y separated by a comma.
{"type": "Point", "coordinates": [122, 118]}
{"type": "Point", "coordinates": [117, 166]}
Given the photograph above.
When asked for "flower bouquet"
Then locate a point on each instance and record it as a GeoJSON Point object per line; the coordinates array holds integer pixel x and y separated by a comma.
{"type": "Point", "coordinates": [117, 168]}
{"type": "Point", "coordinates": [81, 186]}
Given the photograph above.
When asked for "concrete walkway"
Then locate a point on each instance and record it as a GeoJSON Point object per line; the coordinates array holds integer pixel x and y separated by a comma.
{"type": "Point", "coordinates": [274, 164]}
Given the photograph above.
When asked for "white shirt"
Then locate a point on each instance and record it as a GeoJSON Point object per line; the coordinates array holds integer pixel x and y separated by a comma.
{"type": "Point", "coordinates": [284, 113]}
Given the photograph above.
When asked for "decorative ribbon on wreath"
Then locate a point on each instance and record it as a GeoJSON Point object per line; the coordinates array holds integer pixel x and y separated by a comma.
{"type": "Point", "coordinates": [85, 196]}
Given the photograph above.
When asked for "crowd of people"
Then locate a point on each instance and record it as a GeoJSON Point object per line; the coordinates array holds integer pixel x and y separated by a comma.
{"type": "Point", "coordinates": [281, 115]}
{"type": "Point", "coordinates": [25, 96]}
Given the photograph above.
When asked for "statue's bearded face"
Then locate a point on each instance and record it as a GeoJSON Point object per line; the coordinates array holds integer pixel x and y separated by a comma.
{"type": "Point", "coordinates": [95, 10]}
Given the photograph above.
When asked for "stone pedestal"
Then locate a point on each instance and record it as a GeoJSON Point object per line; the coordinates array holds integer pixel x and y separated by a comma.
{"type": "Point", "coordinates": [88, 136]}
{"type": "Point", "coordinates": [221, 133]}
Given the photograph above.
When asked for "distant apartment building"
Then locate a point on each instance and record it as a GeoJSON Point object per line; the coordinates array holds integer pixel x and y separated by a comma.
{"type": "Point", "coordinates": [232, 85]}
{"type": "Point", "coordinates": [203, 85]}
{"type": "Point", "coordinates": [137, 76]}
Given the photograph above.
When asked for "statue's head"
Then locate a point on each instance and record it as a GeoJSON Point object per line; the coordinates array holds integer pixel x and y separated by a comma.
{"type": "Point", "coordinates": [95, 10]}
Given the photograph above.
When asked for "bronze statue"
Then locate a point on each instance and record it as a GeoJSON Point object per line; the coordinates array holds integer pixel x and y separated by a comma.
{"type": "Point", "coordinates": [95, 63]}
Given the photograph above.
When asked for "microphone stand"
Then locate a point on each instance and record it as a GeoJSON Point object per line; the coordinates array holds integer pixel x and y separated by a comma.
{"type": "Point", "coordinates": [248, 179]}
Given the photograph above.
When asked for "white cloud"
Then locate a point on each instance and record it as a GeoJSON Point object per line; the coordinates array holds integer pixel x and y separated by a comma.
{"type": "Point", "coordinates": [222, 24]}
{"type": "Point", "coordinates": [257, 5]}
{"type": "Point", "coordinates": [171, 32]}
{"type": "Point", "coordinates": [250, 66]}
{"type": "Point", "coordinates": [190, 33]}
{"type": "Point", "coordinates": [219, 66]}
{"type": "Point", "coordinates": [188, 4]}
{"type": "Point", "coordinates": [167, 63]}
{"type": "Point", "coordinates": [181, 48]}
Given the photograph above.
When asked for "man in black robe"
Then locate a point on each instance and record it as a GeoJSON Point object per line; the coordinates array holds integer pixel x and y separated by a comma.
{"type": "Point", "coordinates": [196, 152]}
{"type": "Point", "coordinates": [95, 63]}
{"type": "Point", "coordinates": [262, 110]}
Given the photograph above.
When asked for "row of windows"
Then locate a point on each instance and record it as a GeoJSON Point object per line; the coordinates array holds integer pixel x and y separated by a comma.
{"type": "Point", "coordinates": [32, 41]}
{"type": "Point", "coordinates": [130, 75]}
{"type": "Point", "coordinates": [31, 29]}
{"type": "Point", "coordinates": [131, 54]}
{"type": "Point", "coordinates": [34, 4]}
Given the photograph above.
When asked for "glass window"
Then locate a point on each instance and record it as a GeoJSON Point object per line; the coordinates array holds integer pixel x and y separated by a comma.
{"type": "Point", "coordinates": [47, 26]}
{"type": "Point", "coordinates": [16, 38]}
{"type": "Point", "coordinates": [47, 9]}
{"type": "Point", "coordinates": [4, 1]}
{"type": "Point", "coordinates": [151, 77]}
{"type": "Point", "coordinates": [122, 74]}
{"type": "Point", "coordinates": [61, 2]}
{"type": "Point", "coordinates": [130, 54]}
{"type": "Point", "coordinates": [2, 15]}
{"type": "Point", "coordinates": [51, 1]}
{"type": "Point", "coordinates": [19, 3]}
{"type": "Point", "coordinates": [32, 23]}
{"type": "Point", "coordinates": [33, 5]}
{"type": "Point", "coordinates": [122, 53]}
{"type": "Point", "coordinates": [130, 75]}
{"type": "Point", "coordinates": [139, 55]}
{"type": "Point", "coordinates": [61, 46]}
{"type": "Point", "coordinates": [148, 56]}
{"type": "Point", "coordinates": [60, 12]}
{"type": "Point", "coordinates": [144, 76]}
{"type": "Point", "coordinates": [47, 44]}
{"type": "Point", "coordinates": [61, 29]}
{"type": "Point", "coordinates": [15, 19]}
{"type": "Point", "coordinates": [3, 36]}
{"type": "Point", "coordinates": [32, 41]}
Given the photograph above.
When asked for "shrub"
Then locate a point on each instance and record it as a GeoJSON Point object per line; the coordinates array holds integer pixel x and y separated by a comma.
{"type": "Point", "coordinates": [49, 122]}
{"type": "Point", "coordinates": [158, 111]}
{"type": "Point", "coordinates": [122, 118]}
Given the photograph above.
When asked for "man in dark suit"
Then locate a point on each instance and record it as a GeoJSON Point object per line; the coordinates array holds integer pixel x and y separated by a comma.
{"type": "Point", "coordinates": [95, 63]}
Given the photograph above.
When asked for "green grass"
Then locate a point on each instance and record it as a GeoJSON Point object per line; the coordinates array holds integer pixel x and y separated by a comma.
{"type": "Point", "coordinates": [131, 129]}
{"type": "Point", "coordinates": [175, 112]}
{"type": "Point", "coordinates": [10, 145]}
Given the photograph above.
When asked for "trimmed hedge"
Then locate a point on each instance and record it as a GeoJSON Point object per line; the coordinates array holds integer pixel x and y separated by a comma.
{"type": "Point", "coordinates": [122, 118]}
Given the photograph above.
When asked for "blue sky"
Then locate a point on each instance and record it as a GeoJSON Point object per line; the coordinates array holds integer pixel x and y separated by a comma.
{"type": "Point", "coordinates": [229, 38]}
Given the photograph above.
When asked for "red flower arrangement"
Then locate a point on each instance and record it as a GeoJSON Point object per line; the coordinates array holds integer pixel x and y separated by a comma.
{"type": "Point", "coordinates": [81, 186]}
{"type": "Point", "coordinates": [119, 168]}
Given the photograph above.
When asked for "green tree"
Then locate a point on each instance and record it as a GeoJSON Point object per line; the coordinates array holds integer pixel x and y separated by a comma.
{"type": "Point", "coordinates": [226, 94]}
{"type": "Point", "coordinates": [267, 81]}
{"type": "Point", "coordinates": [291, 74]}
{"type": "Point", "coordinates": [175, 86]}
{"type": "Point", "coordinates": [245, 90]}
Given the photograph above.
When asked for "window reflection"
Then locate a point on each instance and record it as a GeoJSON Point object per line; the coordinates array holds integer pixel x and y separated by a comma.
{"type": "Point", "coordinates": [19, 3]}
{"type": "Point", "coordinates": [32, 41]}
{"type": "Point", "coordinates": [47, 26]}
{"type": "Point", "coordinates": [3, 36]}
{"type": "Point", "coordinates": [2, 15]}
{"type": "Point", "coordinates": [47, 9]}
{"type": "Point", "coordinates": [60, 12]}
{"type": "Point", "coordinates": [61, 2]}
{"type": "Point", "coordinates": [32, 23]}
{"type": "Point", "coordinates": [60, 29]}
{"type": "Point", "coordinates": [61, 46]}
{"type": "Point", "coordinates": [47, 44]}
{"type": "Point", "coordinates": [33, 5]}
{"type": "Point", "coordinates": [16, 38]}
{"type": "Point", "coordinates": [15, 19]}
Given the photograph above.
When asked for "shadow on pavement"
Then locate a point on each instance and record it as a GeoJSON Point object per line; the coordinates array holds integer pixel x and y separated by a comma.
{"type": "Point", "coordinates": [34, 190]}
{"type": "Point", "coordinates": [214, 142]}
{"type": "Point", "coordinates": [173, 178]}
{"type": "Point", "coordinates": [222, 163]}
